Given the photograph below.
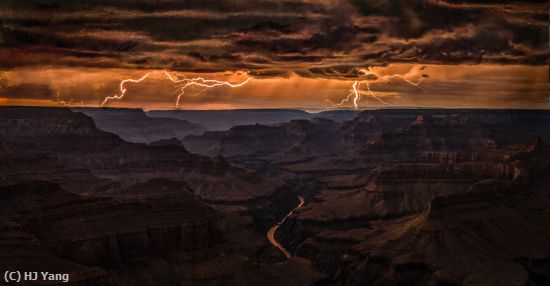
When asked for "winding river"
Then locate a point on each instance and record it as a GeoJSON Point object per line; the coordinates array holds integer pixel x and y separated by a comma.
{"type": "Point", "coordinates": [273, 229]}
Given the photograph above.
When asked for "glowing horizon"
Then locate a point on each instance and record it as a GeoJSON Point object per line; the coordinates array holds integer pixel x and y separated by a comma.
{"type": "Point", "coordinates": [449, 86]}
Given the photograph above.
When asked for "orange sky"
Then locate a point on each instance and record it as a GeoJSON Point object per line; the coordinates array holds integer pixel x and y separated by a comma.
{"type": "Point", "coordinates": [490, 86]}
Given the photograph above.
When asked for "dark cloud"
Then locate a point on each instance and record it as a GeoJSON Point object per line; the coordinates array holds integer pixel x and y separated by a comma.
{"type": "Point", "coordinates": [268, 26]}
{"type": "Point", "coordinates": [325, 38]}
{"type": "Point", "coordinates": [299, 58]}
{"type": "Point", "coordinates": [158, 6]}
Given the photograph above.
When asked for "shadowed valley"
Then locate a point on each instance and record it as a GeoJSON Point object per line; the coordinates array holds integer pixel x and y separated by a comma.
{"type": "Point", "coordinates": [390, 197]}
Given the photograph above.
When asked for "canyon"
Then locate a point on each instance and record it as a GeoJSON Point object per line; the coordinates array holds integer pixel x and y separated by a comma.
{"type": "Point", "coordinates": [380, 197]}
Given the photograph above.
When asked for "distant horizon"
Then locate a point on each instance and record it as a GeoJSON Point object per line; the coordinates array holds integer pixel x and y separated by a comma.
{"type": "Point", "coordinates": [308, 110]}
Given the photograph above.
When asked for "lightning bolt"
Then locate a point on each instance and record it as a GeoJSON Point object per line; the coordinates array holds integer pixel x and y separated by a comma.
{"type": "Point", "coordinates": [357, 94]}
{"type": "Point", "coordinates": [186, 82]}
{"type": "Point", "coordinates": [182, 81]}
{"type": "Point", "coordinates": [123, 89]}
{"type": "Point", "coordinates": [416, 84]}
{"type": "Point", "coordinates": [355, 87]}
{"type": "Point", "coordinates": [373, 95]}
{"type": "Point", "coordinates": [353, 92]}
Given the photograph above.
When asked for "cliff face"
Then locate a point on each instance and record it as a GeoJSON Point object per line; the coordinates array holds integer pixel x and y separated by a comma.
{"type": "Point", "coordinates": [394, 161]}
{"type": "Point", "coordinates": [398, 190]}
{"type": "Point", "coordinates": [19, 165]}
{"type": "Point", "coordinates": [85, 160]}
{"type": "Point", "coordinates": [480, 235]}
{"type": "Point", "coordinates": [297, 138]}
{"type": "Point", "coordinates": [36, 121]}
{"type": "Point", "coordinates": [386, 135]}
{"type": "Point", "coordinates": [133, 125]}
{"type": "Point", "coordinates": [98, 231]}
{"type": "Point", "coordinates": [428, 224]}
{"type": "Point", "coordinates": [385, 178]}
{"type": "Point", "coordinates": [498, 124]}
{"type": "Point", "coordinates": [368, 125]}
{"type": "Point", "coordinates": [427, 133]}
{"type": "Point", "coordinates": [392, 197]}
{"type": "Point", "coordinates": [128, 212]}
{"type": "Point", "coordinates": [74, 140]}
{"type": "Point", "coordinates": [150, 234]}
{"type": "Point", "coordinates": [94, 235]}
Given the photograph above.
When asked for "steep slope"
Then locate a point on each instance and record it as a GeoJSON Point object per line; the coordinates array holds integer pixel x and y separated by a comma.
{"type": "Point", "coordinates": [499, 124]}
{"type": "Point", "coordinates": [68, 142]}
{"type": "Point", "coordinates": [74, 140]}
{"type": "Point", "coordinates": [104, 233]}
{"type": "Point", "coordinates": [144, 235]}
{"type": "Point", "coordinates": [392, 197]}
{"type": "Point", "coordinates": [68, 221]}
{"type": "Point", "coordinates": [491, 233]}
{"type": "Point", "coordinates": [429, 133]}
{"type": "Point", "coordinates": [133, 125]}
{"type": "Point", "coordinates": [295, 139]}
{"type": "Point", "coordinates": [19, 165]}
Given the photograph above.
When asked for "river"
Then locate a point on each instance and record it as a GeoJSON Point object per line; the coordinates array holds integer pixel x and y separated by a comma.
{"type": "Point", "coordinates": [273, 229]}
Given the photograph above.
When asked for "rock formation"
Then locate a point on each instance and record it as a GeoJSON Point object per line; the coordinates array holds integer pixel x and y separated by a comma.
{"type": "Point", "coordinates": [392, 197]}
{"type": "Point", "coordinates": [133, 125]}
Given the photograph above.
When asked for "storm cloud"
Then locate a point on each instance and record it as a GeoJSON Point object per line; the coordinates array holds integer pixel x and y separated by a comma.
{"type": "Point", "coordinates": [316, 38]}
{"type": "Point", "coordinates": [300, 53]}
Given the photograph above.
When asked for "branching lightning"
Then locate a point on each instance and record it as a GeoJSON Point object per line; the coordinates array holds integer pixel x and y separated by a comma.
{"type": "Point", "coordinates": [185, 82]}
{"type": "Point", "coordinates": [182, 81]}
{"type": "Point", "coordinates": [373, 95]}
{"type": "Point", "coordinates": [353, 92]}
{"type": "Point", "coordinates": [356, 94]}
{"type": "Point", "coordinates": [417, 84]}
